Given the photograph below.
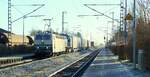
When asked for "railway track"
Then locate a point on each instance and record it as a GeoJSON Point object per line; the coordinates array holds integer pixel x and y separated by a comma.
{"type": "Point", "coordinates": [76, 68]}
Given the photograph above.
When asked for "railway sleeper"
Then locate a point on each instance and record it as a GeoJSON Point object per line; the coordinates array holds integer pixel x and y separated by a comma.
{"type": "Point", "coordinates": [77, 68]}
{"type": "Point", "coordinates": [9, 61]}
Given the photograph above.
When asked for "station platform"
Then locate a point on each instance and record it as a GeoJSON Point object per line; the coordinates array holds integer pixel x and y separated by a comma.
{"type": "Point", "coordinates": [106, 64]}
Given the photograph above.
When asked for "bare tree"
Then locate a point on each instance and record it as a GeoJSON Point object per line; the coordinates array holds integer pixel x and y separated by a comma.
{"type": "Point", "coordinates": [144, 9]}
{"type": "Point", "coordinates": [33, 32]}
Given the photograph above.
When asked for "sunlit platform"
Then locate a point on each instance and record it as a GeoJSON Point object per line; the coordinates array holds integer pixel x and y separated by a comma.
{"type": "Point", "coordinates": [107, 65]}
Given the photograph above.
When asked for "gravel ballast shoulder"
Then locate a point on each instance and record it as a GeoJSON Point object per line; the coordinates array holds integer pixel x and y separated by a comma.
{"type": "Point", "coordinates": [42, 68]}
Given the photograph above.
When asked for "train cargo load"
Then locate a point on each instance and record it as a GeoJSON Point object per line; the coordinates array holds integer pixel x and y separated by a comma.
{"type": "Point", "coordinates": [85, 44]}
{"type": "Point", "coordinates": [76, 43]}
{"type": "Point", "coordinates": [16, 39]}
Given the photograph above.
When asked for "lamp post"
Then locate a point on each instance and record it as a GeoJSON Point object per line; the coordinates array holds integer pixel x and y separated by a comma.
{"type": "Point", "coordinates": [134, 35]}
{"type": "Point", "coordinates": [23, 28]}
{"type": "Point", "coordinates": [129, 17]}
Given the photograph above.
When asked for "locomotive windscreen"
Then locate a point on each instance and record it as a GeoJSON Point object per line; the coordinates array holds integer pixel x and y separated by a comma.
{"type": "Point", "coordinates": [38, 37]}
{"type": "Point", "coordinates": [42, 37]}
{"type": "Point", "coordinates": [46, 37]}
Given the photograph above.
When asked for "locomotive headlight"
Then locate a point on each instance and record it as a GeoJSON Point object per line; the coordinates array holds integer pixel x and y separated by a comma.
{"type": "Point", "coordinates": [46, 47]}
{"type": "Point", "coordinates": [37, 47]}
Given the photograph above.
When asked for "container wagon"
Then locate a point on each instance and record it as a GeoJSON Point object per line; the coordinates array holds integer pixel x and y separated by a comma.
{"type": "Point", "coordinates": [76, 43]}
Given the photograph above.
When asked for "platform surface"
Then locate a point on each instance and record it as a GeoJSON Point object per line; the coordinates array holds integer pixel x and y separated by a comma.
{"type": "Point", "coordinates": [108, 65]}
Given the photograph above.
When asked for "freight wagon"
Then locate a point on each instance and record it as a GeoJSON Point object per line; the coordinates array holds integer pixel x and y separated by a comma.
{"type": "Point", "coordinates": [85, 44]}
{"type": "Point", "coordinates": [16, 39]}
{"type": "Point", "coordinates": [76, 43]}
{"type": "Point", "coordinates": [92, 44]}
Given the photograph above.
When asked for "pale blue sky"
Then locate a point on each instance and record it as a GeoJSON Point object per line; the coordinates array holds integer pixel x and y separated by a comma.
{"type": "Point", "coordinates": [54, 8]}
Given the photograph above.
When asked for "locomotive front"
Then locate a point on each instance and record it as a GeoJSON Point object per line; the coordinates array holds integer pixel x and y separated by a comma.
{"type": "Point", "coordinates": [43, 44]}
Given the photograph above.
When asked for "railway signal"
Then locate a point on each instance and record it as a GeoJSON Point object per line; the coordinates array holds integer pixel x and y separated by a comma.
{"type": "Point", "coordinates": [129, 17]}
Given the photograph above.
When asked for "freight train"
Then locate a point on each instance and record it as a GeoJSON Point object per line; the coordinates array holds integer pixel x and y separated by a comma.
{"type": "Point", "coordinates": [51, 43]}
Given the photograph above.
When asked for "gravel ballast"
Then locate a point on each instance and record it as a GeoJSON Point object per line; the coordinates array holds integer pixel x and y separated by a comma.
{"type": "Point", "coordinates": [43, 68]}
